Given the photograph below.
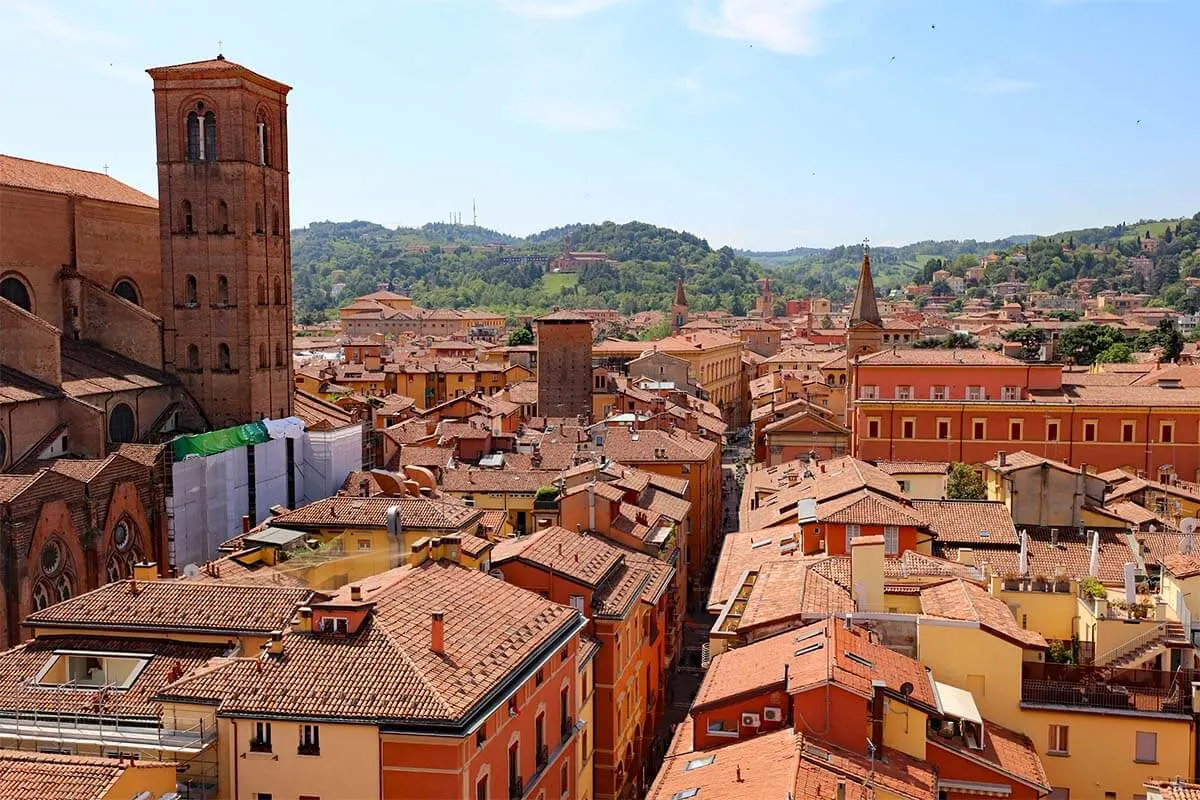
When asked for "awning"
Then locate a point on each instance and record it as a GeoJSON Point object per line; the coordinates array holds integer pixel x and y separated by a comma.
{"type": "Point", "coordinates": [957, 703]}
{"type": "Point", "coordinates": [275, 537]}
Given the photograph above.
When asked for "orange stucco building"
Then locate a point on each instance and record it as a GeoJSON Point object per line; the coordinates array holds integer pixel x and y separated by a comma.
{"type": "Point", "coordinates": [965, 405]}
{"type": "Point", "coordinates": [623, 594]}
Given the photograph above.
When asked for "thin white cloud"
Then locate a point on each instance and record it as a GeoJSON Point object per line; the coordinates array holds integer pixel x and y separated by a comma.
{"type": "Point", "coordinates": [556, 9]}
{"type": "Point", "coordinates": [996, 84]}
{"type": "Point", "coordinates": [782, 26]}
{"type": "Point", "coordinates": [40, 20]}
{"type": "Point", "coordinates": [688, 84]}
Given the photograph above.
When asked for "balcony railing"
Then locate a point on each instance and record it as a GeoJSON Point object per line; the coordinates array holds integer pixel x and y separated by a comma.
{"type": "Point", "coordinates": [1144, 690]}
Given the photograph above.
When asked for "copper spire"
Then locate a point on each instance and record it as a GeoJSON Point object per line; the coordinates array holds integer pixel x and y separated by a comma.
{"type": "Point", "coordinates": [680, 299]}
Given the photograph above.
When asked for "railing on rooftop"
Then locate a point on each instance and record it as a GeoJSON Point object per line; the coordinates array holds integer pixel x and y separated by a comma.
{"type": "Point", "coordinates": [1144, 690]}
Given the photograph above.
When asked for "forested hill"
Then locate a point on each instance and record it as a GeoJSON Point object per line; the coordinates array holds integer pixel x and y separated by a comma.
{"type": "Point", "coordinates": [459, 266]}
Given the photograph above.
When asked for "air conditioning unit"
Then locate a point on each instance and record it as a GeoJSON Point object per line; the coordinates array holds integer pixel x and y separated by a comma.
{"type": "Point", "coordinates": [771, 714]}
{"type": "Point", "coordinates": [750, 720]}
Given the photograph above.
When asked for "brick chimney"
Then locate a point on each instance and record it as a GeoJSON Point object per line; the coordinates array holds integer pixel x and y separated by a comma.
{"type": "Point", "coordinates": [145, 571]}
{"type": "Point", "coordinates": [304, 622]}
{"type": "Point", "coordinates": [356, 593]}
{"type": "Point", "coordinates": [437, 632]}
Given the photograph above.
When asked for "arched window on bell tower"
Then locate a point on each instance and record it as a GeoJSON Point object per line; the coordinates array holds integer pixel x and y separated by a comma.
{"type": "Point", "coordinates": [262, 290]}
{"type": "Point", "coordinates": [201, 134]}
{"type": "Point", "coordinates": [222, 217]}
{"type": "Point", "coordinates": [264, 140]}
{"type": "Point", "coordinates": [262, 356]}
{"type": "Point", "coordinates": [185, 209]}
{"type": "Point", "coordinates": [258, 218]}
{"type": "Point", "coordinates": [278, 291]}
{"type": "Point", "coordinates": [222, 290]}
{"type": "Point", "coordinates": [223, 362]}
{"type": "Point", "coordinates": [189, 290]}
{"type": "Point", "coordinates": [278, 354]}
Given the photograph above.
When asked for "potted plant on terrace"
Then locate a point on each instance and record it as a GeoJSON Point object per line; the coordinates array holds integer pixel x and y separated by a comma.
{"type": "Point", "coordinates": [1010, 582]}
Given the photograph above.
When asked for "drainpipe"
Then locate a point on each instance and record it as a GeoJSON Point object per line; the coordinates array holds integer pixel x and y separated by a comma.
{"type": "Point", "coordinates": [592, 506]}
{"type": "Point", "coordinates": [1149, 411]}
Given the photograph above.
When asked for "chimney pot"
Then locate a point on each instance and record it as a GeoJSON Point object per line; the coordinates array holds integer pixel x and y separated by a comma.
{"type": "Point", "coordinates": [356, 593]}
{"type": "Point", "coordinates": [437, 632]}
{"type": "Point", "coordinates": [245, 523]}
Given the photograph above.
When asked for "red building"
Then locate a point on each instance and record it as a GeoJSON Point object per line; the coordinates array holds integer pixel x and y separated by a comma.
{"type": "Point", "coordinates": [965, 405]}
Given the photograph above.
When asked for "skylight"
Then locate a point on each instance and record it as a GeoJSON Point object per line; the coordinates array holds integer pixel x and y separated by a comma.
{"type": "Point", "coordinates": [857, 659]}
{"type": "Point", "coordinates": [809, 648]}
{"type": "Point", "coordinates": [984, 534]}
{"type": "Point", "coordinates": [685, 794]}
{"type": "Point", "coordinates": [697, 763]}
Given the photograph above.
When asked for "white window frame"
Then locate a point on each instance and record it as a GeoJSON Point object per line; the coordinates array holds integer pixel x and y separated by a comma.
{"type": "Point", "coordinates": [1059, 740]}
{"type": "Point", "coordinates": [1150, 748]}
{"type": "Point", "coordinates": [891, 540]}
{"type": "Point", "coordinates": [852, 533]}
{"type": "Point", "coordinates": [868, 392]}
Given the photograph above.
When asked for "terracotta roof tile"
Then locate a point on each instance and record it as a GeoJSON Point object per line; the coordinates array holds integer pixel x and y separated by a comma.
{"type": "Point", "coordinates": [1173, 790]}
{"type": "Point", "coordinates": [42, 177]}
{"type": "Point", "coordinates": [178, 605]}
{"type": "Point", "coordinates": [911, 356]}
{"type": "Point", "coordinates": [1008, 751]}
{"type": "Point", "coordinates": [968, 521]}
{"type": "Point", "coordinates": [26, 775]}
{"type": "Point", "coordinates": [497, 480]}
{"type": "Point", "coordinates": [386, 671]}
{"type": "Point", "coordinates": [959, 599]}
{"type": "Point", "coordinates": [751, 769]}
{"type": "Point", "coordinates": [438, 513]}
{"type": "Point", "coordinates": [20, 666]}
{"type": "Point", "coordinates": [914, 467]}
{"type": "Point", "coordinates": [587, 559]}
{"type": "Point", "coordinates": [1182, 565]}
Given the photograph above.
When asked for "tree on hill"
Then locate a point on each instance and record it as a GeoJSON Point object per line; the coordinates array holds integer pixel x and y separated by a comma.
{"type": "Point", "coordinates": [1084, 342]}
{"type": "Point", "coordinates": [964, 483]}
{"type": "Point", "coordinates": [521, 337]}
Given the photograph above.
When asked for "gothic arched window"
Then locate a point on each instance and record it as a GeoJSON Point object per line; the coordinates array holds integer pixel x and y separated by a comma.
{"type": "Point", "coordinates": [278, 354]}
{"type": "Point", "coordinates": [223, 361]}
{"type": "Point", "coordinates": [262, 357]}
{"type": "Point", "coordinates": [185, 209]}
{"type": "Point", "coordinates": [125, 289]}
{"type": "Point", "coordinates": [16, 291]}
{"type": "Point", "coordinates": [278, 291]}
{"type": "Point", "coordinates": [121, 424]}
{"type": "Point", "coordinates": [189, 290]}
{"type": "Point", "coordinates": [258, 218]}
{"type": "Point", "coordinates": [264, 140]}
{"type": "Point", "coordinates": [201, 134]}
{"type": "Point", "coordinates": [222, 290]}
{"type": "Point", "coordinates": [275, 220]}
{"type": "Point", "coordinates": [222, 217]}
{"type": "Point", "coordinates": [193, 358]}
{"type": "Point", "coordinates": [262, 290]}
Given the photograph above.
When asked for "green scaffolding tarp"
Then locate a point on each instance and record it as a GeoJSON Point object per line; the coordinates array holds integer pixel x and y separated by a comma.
{"type": "Point", "coordinates": [213, 442]}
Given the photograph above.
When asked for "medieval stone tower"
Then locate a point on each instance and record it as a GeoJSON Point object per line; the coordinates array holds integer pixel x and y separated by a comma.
{"type": "Point", "coordinates": [226, 251]}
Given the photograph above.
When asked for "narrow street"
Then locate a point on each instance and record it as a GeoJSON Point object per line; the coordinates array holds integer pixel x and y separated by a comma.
{"type": "Point", "coordinates": [685, 681]}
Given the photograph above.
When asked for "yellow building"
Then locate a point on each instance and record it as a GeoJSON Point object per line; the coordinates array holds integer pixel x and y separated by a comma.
{"type": "Point", "coordinates": [49, 776]}
{"type": "Point", "coordinates": [509, 490]}
{"type": "Point", "coordinates": [714, 361]}
{"type": "Point", "coordinates": [343, 539]}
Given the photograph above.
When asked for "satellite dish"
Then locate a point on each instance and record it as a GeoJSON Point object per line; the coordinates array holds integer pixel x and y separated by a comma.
{"type": "Point", "coordinates": [191, 571]}
{"type": "Point", "coordinates": [906, 688]}
{"type": "Point", "coordinates": [1187, 526]}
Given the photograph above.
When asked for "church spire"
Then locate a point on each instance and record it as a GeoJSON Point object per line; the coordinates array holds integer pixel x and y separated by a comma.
{"type": "Point", "coordinates": [865, 309]}
{"type": "Point", "coordinates": [680, 299]}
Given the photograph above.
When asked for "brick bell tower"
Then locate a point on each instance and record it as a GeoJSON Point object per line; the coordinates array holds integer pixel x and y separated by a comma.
{"type": "Point", "coordinates": [224, 225]}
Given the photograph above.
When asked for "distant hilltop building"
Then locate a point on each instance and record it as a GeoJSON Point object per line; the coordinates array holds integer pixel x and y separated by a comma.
{"type": "Point", "coordinates": [574, 260]}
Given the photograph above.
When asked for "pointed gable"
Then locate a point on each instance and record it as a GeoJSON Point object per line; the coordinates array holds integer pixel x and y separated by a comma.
{"type": "Point", "coordinates": [865, 308]}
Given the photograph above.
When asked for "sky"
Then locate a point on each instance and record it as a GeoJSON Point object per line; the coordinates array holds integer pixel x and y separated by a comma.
{"type": "Point", "coordinates": [762, 124]}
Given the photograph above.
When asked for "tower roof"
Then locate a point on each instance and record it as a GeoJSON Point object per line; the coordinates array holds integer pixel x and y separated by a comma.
{"type": "Point", "coordinates": [865, 309]}
{"type": "Point", "coordinates": [680, 298]}
{"type": "Point", "coordinates": [219, 67]}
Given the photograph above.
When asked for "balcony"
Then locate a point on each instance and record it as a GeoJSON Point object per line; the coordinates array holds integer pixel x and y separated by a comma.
{"type": "Point", "coordinates": [309, 750]}
{"type": "Point", "coordinates": [1107, 688]}
{"type": "Point", "coordinates": [259, 746]}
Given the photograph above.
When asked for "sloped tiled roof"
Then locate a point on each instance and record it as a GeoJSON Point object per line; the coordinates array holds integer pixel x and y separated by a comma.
{"type": "Point", "coordinates": [21, 665]}
{"type": "Point", "coordinates": [1007, 751]}
{"type": "Point", "coordinates": [968, 521]}
{"type": "Point", "coordinates": [587, 559]}
{"type": "Point", "coordinates": [386, 672]}
{"type": "Point", "coordinates": [962, 600]}
{"type": "Point", "coordinates": [40, 176]}
{"type": "Point", "coordinates": [179, 605]}
{"type": "Point", "coordinates": [443, 513]}
{"type": "Point", "coordinates": [25, 775]}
